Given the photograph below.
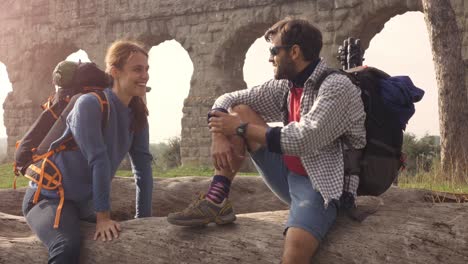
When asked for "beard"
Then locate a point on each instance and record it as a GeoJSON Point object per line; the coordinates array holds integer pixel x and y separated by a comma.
{"type": "Point", "coordinates": [285, 70]}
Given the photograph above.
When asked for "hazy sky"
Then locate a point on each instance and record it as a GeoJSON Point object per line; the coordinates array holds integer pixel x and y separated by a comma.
{"type": "Point", "coordinates": [402, 48]}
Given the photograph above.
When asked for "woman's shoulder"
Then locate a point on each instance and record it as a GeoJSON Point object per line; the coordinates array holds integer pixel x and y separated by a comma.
{"type": "Point", "coordinates": [90, 100]}
{"type": "Point", "coordinates": [87, 98]}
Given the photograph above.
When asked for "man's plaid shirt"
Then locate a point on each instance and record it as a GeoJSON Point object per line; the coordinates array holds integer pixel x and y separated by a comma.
{"type": "Point", "coordinates": [335, 110]}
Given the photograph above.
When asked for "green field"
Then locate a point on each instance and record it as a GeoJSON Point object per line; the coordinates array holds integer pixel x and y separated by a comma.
{"type": "Point", "coordinates": [434, 181]}
{"type": "Point", "coordinates": [420, 181]}
{"type": "Point", "coordinates": [6, 174]}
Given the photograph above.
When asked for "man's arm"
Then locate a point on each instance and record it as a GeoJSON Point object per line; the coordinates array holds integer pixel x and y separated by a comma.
{"type": "Point", "coordinates": [325, 122]}
{"type": "Point", "coordinates": [223, 124]}
{"type": "Point", "coordinates": [267, 99]}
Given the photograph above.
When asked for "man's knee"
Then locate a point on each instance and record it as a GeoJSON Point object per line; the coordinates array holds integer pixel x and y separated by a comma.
{"type": "Point", "coordinates": [246, 112]}
{"type": "Point", "coordinates": [242, 109]}
{"type": "Point", "coordinates": [301, 238]}
{"type": "Point", "coordinates": [300, 246]}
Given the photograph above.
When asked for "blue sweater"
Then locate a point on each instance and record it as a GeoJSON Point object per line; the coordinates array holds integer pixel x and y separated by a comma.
{"type": "Point", "coordinates": [88, 171]}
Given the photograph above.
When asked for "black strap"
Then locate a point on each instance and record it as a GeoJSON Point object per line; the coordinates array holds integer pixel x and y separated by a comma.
{"type": "Point", "coordinates": [324, 75]}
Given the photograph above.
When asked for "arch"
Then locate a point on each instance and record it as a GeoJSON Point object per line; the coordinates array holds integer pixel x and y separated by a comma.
{"type": "Point", "coordinates": [373, 19]}
{"type": "Point", "coordinates": [44, 58]}
{"type": "Point", "coordinates": [412, 58]}
{"type": "Point", "coordinates": [231, 54]}
{"type": "Point", "coordinates": [171, 70]}
{"type": "Point", "coordinates": [216, 37]}
{"type": "Point", "coordinates": [5, 89]}
{"type": "Point", "coordinates": [31, 85]}
{"type": "Point", "coordinates": [79, 55]}
{"type": "Point", "coordinates": [257, 69]}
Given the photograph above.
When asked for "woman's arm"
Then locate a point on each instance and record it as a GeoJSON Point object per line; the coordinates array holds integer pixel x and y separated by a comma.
{"type": "Point", "coordinates": [141, 159]}
{"type": "Point", "coordinates": [85, 124]}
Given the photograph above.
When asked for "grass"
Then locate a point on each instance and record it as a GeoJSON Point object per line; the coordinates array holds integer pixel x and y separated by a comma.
{"type": "Point", "coordinates": [434, 179]}
{"type": "Point", "coordinates": [181, 172]}
{"type": "Point", "coordinates": [6, 174]}
{"type": "Point", "coordinates": [441, 187]}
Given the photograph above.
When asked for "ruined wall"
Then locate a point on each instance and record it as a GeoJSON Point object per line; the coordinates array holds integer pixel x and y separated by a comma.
{"type": "Point", "coordinates": [37, 34]}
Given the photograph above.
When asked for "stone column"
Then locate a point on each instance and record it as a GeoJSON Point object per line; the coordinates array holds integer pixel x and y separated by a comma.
{"type": "Point", "coordinates": [211, 78]}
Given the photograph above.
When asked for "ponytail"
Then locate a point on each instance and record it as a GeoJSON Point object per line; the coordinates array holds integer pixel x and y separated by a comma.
{"type": "Point", "coordinates": [140, 114]}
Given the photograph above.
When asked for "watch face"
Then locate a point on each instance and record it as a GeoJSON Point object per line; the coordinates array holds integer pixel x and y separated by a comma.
{"type": "Point", "coordinates": [241, 130]}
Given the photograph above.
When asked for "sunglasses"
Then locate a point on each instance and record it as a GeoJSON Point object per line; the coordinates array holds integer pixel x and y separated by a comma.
{"type": "Point", "coordinates": [275, 50]}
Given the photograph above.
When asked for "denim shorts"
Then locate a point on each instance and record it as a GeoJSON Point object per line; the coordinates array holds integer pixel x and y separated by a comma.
{"type": "Point", "coordinates": [307, 210]}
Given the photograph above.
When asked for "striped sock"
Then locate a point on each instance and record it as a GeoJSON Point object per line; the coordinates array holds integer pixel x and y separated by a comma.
{"type": "Point", "coordinates": [219, 189]}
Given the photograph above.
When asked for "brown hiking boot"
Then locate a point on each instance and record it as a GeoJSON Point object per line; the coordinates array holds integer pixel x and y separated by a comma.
{"type": "Point", "coordinates": [203, 211]}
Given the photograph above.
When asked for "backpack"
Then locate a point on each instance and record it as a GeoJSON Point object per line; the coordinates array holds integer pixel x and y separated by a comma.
{"type": "Point", "coordinates": [388, 103]}
{"type": "Point", "coordinates": [87, 77]}
{"type": "Point", "coordinates": [32, 155]}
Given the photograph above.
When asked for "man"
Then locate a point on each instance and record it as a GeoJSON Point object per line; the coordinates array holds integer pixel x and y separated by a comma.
{"type": "Point", "coordinates": [302, 162]}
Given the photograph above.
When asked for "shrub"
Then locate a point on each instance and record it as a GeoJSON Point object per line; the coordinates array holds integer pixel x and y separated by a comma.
{"type": "Point", "coordinates": [168, 154]}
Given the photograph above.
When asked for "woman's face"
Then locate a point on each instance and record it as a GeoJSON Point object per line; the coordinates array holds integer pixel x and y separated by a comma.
{"type": "Point", "coordinates": [132, 78]}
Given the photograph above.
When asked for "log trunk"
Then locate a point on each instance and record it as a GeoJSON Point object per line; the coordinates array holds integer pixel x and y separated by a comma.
{"type": "Point", "coordinates": [446, 41]}
{"type": "Point", "coordinates": [169, 195]}
{"type": "Point", "coordinates": [405, 229]}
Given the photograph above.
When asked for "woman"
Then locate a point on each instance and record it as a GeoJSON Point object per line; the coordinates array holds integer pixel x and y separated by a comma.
{"type": "Point", "coordinates": [87, 171]}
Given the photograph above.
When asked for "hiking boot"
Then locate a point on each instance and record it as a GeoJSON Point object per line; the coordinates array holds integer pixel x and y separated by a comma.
{"type": "Point", "coordinates": [203, 211]}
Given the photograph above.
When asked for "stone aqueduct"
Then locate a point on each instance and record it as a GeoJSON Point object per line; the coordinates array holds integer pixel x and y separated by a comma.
{"type": "Point", "coordinates": [36, 34]}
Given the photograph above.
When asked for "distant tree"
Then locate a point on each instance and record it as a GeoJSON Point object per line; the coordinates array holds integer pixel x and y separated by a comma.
{"type": "Point", "coordinates": [157, 149]}
{"type": "Point", "coordinates": [170, 156]}
{"type": "Point", "coordinates": [420, 153]}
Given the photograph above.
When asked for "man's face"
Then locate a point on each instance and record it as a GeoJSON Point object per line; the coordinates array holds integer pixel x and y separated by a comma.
{"type": "Point", "coordinates": [283, 65]}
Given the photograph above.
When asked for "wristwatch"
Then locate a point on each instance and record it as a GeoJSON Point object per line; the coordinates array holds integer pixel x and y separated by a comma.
{"type": "Point", "coordinates": [242, 130]}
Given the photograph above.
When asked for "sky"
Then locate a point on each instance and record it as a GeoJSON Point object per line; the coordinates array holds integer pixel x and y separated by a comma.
{"type": "Point", "coordinates": [401, 48]}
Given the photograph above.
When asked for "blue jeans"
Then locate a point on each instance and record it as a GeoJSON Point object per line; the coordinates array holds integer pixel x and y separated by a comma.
{"type": "Point", "coordinates": [307, 210]}
{"type": "Point", "coordinates": [63, 243]}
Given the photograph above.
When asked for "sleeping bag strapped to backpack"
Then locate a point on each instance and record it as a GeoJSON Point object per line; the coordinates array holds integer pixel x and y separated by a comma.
{"type": "Point", "coordinates": [389, 104]}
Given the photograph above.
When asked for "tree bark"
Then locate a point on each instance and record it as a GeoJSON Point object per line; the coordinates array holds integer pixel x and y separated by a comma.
{"type": "Point", "coordinates": [405, 229]}
{"type": "Point", "coordinates": [446, 41]}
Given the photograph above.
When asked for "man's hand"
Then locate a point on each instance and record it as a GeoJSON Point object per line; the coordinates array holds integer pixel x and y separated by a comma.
{"type": "Point", "coordinates": [106, 227]}
{"type": "Point", "coordinates": [223, 154]}
{"type": "Point", "coordinates": [224, 123]}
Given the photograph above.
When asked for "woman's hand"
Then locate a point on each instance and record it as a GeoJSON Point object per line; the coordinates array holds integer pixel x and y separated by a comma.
{"type": "Point", "coordinates": [106, 228]}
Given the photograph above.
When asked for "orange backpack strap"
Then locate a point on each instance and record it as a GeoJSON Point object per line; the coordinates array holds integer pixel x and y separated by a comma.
{"type": "Point", "coordinates": [105, 108]}
{"type": "Point", "coordinates": [48, 103]}
{"type": "Point", "coordinates": [16, 170]}
{"type": "Point", "coordinates": [46, 174]}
